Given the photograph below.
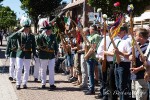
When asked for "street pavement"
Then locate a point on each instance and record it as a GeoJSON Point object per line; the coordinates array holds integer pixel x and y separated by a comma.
{"type": "Point", "coordinates": [64, 91]}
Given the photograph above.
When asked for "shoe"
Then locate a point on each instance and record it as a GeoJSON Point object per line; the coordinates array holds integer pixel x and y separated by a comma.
{"type": "Point", "coordinates": [10, 78]}
{"type": "Point", "coordinates": [43, 87]}
{"type": "Point", "coordinates": [52, 87]}
{"type": "Point", "coordinates": [99, 96]}
{"type": "Point", "coordinates": [69, 77]}
{"type": "Point", "coordinates": [81, 86]}
{"type": "Point", "coordinates": [25, 86]}
{"type": "Point", "coordinates": [17, 87]}
{"type": "Point", "coordinates": [90, 93]}
{"type": "Point", "coordinates": [73, 79]}
{"type": "Point", "coordinates": [35, 80]}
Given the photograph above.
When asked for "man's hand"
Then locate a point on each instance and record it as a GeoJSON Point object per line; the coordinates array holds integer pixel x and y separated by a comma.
{"type": "Point", "coordinates": [79, 51]}
{"type": "Point", "coordinates": [6, 56]}
{"type": "Point", "coordinates": [134, 70]}
{"type": "Point", "coordinates": [146, 76]}
{"type": "Point", "coordinates": [131, 57]}
{"type": "Point", "coordinates": [116, 51]}
{"type": "Point", "coordinates": [143, 59]}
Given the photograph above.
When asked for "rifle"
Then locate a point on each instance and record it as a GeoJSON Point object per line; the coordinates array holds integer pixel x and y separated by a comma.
{"type": "Point", "coordinates": [114, 45]}
{"type": "Point", "coordinates": [86, 41]}
{"type": "Point", "coordinates": [104, 60]}
{"type": "Point", "coordinates": [73, 24]}
{"type": "Point", "coordinates": [65, 43]}
{"type": "Point", "coordinates": [133, 63]}
{"type": "Point", "coordinates": [134, 43]}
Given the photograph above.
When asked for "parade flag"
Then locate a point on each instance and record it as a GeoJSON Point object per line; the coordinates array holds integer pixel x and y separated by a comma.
{"type": "Point", "coordinates": [116, 26]}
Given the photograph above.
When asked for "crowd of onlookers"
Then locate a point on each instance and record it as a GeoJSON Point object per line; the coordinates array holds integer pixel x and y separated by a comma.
{"type": "Point", "coordinates": [87, 72]}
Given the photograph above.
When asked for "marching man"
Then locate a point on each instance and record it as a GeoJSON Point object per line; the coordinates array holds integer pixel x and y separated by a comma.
{"type": "Point", "coordinates": [11, 52]}
{"type": "Point", "coordinates": [26, 46]}
{"type": "Point", "coordinates": [48, 48]}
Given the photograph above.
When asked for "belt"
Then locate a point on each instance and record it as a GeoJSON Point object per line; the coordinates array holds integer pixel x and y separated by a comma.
{"type": "Point", "coordinates": [14, 49]}
{"type": "Point", "coordinates": [50, 51]}
{"type": "Point", "coordinates": [27, 50]}
{"type": "Point", "coordinates": [81, 53]}
{"type": "Point", "coordinates": [23, 49]}
{"type": "Point", "coordinates": [122, 63]}
{"type": "Point", "coordinates": [110, 62]}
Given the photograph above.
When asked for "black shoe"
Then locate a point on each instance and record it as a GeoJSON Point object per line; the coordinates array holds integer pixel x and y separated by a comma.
{"type": "Point", "coordinates": [10, 78]}
{"type": "Point", "coordinates": [73, 79]}
{"type": "Point", "coordinates": [35, 80]}
{"type": "Point", "coordinates": [43, 87]}
{"type": "Point", "coordinates": [24, 86]}
{"type": "Point", "coordinates": [99, 96]}
{"type": "Point", "coordinates": [17, 87]}
{"type": "Point", "coordinates": [90, 93]}
{"type": "Point", "coordinates": [52, 87]}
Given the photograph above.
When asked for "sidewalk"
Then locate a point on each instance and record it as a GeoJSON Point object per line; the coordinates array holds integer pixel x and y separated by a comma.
{"type": "Point", "coordinates": [6, 89]}
{"type": "Point", "coordinates": [64, 91]}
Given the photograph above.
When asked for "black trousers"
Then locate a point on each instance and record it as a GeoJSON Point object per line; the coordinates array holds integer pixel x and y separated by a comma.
{"type": "Point", "coordinates": [111, 82]}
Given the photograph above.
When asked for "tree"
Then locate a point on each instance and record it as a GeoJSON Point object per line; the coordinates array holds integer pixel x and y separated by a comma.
{"type": "Point", "coordinates": [1, 1]}
{"type": "Point", "coordinates": [7, 17]}
{"type": "Point", "coordinates": [39, 7]}
{"type": "Point", "coordinates": [108, 8]}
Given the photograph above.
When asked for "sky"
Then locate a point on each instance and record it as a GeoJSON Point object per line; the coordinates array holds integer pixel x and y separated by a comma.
{"type": "Point", "coordinates": [15, 6]}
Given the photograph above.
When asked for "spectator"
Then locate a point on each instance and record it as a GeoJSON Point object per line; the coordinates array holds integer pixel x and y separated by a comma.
{"type": "Point", "coordinates": [1, 37]}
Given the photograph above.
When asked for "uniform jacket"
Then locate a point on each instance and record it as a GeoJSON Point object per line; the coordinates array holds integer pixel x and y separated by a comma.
{"type": "Point", "coordinates": [12, 47]}
{"type": "Point", "coordinates": [26, 45]}
{"type": "Point", "coordinates": [47, 46]}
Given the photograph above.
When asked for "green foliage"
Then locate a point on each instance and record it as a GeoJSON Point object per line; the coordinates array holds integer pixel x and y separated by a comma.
{"type": "Point", "coordinates": [108, 8]}
{"type": "Point", "coordinates": [37, 7]}
{"type": "Point", "coordinates": [7, 18]}
{"type": "Point", "coordinates": [1, 1]}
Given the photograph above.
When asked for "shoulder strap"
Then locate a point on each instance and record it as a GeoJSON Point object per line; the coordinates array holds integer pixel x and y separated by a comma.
{"type": "Point", "coordinates": [118, 43]}
{"type": "Point", "coordinates": [148, 53]}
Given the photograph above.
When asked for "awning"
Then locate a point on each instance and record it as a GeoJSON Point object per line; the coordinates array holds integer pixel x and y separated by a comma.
{"type": "Point", "coordinates": [146, 15]}
{"type": "Point", "coordinates": [136, 19]}
{"type": "Point", "coordinates": [74, 4]}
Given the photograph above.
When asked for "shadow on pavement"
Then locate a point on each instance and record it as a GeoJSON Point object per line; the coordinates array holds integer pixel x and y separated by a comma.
{"type": "Point", "coordinates": [2, 53]}
{"type": "Point", "coordinates": [4, 69]}
{"type": "Point", "coordinates": [61, 81]}
{"type": "Point", "coordinates": [67, 89]}
{"type": "Point", "coordinates": [57, 89]}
